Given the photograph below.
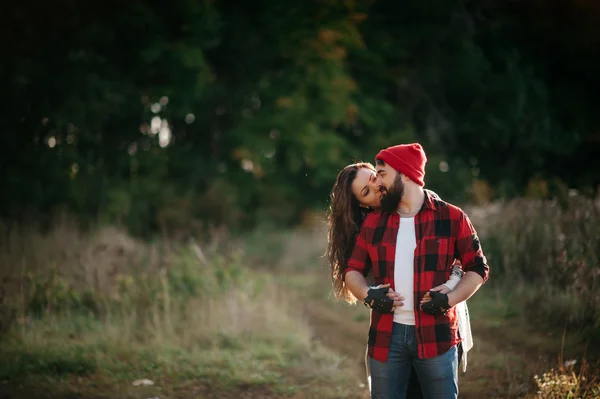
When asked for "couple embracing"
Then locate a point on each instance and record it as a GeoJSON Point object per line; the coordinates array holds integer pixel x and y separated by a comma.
{"type": "Point", "coordinates": [414, 260]}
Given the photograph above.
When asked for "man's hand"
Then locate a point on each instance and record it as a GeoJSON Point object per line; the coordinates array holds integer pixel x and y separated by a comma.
{"type": "Point", "coordinates": [437, 305]}
{"type": "Point", "coordinates": [378, 300]}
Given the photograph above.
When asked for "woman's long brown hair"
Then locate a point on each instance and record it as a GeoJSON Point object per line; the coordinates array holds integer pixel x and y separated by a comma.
{"type": "Point", "coordinates": [344, 219]}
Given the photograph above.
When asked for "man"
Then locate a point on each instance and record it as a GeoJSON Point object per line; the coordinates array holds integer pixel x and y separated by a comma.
{"type": "Point", "coordinates": [410, 247]}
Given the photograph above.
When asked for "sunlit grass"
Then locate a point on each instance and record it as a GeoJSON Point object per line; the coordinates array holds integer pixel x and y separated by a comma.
{"type": "Point", "coordinates": [93, 312]}
{"type": "Point", "coordinates": [565, 382]}
{"type": "Point", "coordinates": [163, 313]}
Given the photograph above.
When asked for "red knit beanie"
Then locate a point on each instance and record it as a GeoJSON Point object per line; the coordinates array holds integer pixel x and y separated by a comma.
{"type": "Point", "coordinates": [408, 159]}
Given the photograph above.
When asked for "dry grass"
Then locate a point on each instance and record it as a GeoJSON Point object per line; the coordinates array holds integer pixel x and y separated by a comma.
{"type": "Point", "coordinates": [551, 249]}
{"type": "Point", "coordinates": [566, 382]}
{"type": "Point", "coordinates": [104, 304]}
{"type": "Point", "coordinates": [544, 258]}
{"type": "Point", "coordinates": [82, 310]}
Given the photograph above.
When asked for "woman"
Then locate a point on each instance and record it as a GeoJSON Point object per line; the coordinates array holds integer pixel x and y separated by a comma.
{"type": "Point", "coordinates": [354, 194]}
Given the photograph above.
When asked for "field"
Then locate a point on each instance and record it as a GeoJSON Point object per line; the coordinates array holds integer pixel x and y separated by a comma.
{"type": "Point", "coordinates": [93, 314]}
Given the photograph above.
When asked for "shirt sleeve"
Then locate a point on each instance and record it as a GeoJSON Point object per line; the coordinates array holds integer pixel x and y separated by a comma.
{"type": "Point", "coordinates": [468, 249]}
{"type": "Point", "coordinates": [360, 260]}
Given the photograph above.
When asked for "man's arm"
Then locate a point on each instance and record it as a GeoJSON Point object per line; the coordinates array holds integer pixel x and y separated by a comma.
{"type": "Point", "coordinates": [468, 251]}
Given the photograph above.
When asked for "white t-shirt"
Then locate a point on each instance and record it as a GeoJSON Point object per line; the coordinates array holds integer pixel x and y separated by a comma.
{"type": "Point", "coordinates": [404, 274]}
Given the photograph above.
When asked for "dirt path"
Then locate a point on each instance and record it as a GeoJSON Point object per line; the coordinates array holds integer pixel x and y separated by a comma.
{"type": "Point", "coordinates": [339, 332]}
{"type": "Point", "coordinates": [498, 366]}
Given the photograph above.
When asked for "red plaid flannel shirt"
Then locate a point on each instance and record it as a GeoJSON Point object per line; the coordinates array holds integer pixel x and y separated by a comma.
{"type": "Point", "coordinates": [443, 233]}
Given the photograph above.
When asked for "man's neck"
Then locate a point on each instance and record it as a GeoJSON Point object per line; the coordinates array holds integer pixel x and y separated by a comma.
{"type": "Point", "coordinates": [411, 202]}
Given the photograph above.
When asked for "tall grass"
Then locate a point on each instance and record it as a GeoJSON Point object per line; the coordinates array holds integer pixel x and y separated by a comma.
{"type": "Point", "coordinates": [548, 252]}
{"type": "Point", "coordinates": [544, 259]}
{"type": "Point", "coordinates": [101, 302]}
{"type": "Point", "coordinates": [565, 382]}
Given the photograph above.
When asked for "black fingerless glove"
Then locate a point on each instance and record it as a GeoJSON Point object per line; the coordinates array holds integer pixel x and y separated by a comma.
{"type": "Point", "coordinates": [381, 302]}
{"type": "Point", "coordinates": [438, 305]}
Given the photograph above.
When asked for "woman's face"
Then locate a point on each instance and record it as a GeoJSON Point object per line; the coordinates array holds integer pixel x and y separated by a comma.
{"type": "Point", "coordinates": [365, 189]}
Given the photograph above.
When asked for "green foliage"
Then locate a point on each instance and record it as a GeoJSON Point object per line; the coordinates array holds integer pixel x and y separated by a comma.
{"type": "Point", "coordinates": [181, 319]}
{"type": "Point", "coordinates": [186, 278]}
{"type": "Point", "coordinates": [48, 362]}
{"type": "Point", "coordinates": [189, 278]}
{"type": "Point", "coordinates": [53, 293]}
{"type": "Point", "coordinates": [153, 115]}
{"type": "Point", "coordinates": [553, 249]}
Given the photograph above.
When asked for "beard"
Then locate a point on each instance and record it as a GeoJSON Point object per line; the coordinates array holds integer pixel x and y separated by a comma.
{"type": "Point", "coordinates": [392, 197]}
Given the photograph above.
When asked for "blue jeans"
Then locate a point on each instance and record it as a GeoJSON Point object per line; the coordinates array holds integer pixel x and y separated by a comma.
{"type": "Point", "coordinates": [438, 375]}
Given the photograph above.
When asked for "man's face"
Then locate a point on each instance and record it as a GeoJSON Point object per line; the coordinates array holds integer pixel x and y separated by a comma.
{"type": "Point", "coordinates": [386, 176]}
{"type": "Point", "coordinates": [393, 186]}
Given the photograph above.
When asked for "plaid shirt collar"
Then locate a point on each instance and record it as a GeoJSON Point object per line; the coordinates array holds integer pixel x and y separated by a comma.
{"type": "Point", "coordinates": [428, 202]}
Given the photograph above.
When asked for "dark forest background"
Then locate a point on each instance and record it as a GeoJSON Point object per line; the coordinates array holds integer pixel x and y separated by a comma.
{"type": "Point", "coordinates": [237, 112]}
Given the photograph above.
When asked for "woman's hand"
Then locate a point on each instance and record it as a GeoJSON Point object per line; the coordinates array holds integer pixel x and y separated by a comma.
{"type": "Point", "coordinates": [398, 299]}
{"type": "Point", "coordinates": [442, 289]}
{"type": "Point", "coordinates": [437, 305]}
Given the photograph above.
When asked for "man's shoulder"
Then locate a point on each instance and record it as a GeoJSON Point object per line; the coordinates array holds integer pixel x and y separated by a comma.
{"type": "Point", "coordinates": [372, 219]}
{"type": "Point", "coordinates": [445, 206]}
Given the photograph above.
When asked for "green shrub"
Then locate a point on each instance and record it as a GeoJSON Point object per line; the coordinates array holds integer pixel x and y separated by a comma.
{"type": "Point", "coordinates": [46, 361]}
{"type": "Point", "coordinates": [553, 250]}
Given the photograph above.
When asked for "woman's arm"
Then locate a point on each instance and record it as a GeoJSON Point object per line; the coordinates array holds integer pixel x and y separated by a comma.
{"type": "Point", "coordinates": [455, 277]}
{"type": "Point", "coordinates": [452, 282]}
